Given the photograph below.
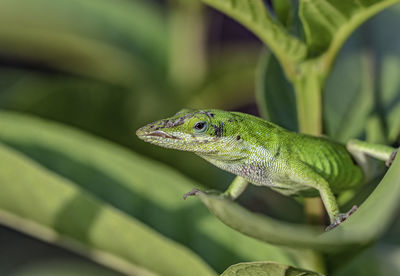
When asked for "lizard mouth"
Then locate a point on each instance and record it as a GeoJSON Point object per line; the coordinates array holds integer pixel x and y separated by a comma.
{"type": "Point", "coordinates": [162, 134]}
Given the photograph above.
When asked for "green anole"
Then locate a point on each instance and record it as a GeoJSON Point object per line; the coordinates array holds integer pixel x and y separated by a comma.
{"type": "Point", "coordinates": [265, 154]}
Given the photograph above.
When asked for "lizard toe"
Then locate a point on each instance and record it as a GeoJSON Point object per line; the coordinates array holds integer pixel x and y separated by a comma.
{"type": "Point", "coordinates": [341, 217]}
{"type": "Point", "coordinates": [392, 157]}
{"type": "Point", "coordinates": [193, 192]}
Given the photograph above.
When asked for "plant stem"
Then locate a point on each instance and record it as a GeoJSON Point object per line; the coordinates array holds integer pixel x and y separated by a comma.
{"type": "Point", "coordinates": [308, 89]}
{"type": "Point", "coordinates": [309, 102]}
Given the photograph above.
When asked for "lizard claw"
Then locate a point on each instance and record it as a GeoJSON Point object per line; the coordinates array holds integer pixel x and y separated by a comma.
{"type": "Point", "coordinates": [193, 192]}
{"type": "Point", "coordinates": [341, 217]}
{"type": "Point", "coordinates": [391, 158]}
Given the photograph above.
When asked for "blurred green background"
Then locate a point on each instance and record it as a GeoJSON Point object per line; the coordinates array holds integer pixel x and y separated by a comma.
{"type": "Point", "coordinates": [106, 68]}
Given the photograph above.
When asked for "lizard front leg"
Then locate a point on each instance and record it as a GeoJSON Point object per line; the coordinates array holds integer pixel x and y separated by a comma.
{"type": "Point", "coordinates": [236, 188]}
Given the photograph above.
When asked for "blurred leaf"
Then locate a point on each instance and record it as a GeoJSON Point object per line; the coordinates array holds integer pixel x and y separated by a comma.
{"type": "Point", "coordinates": [283, 10]}
{"type": "Point", "coordinates": [230, 76]}
{"type": "Point", "coordinates": [254, 16]}
{"type": "Point", "coordinates": [106, 40]}
{"type": "Point", "coordinates": [327, 24]}
{"type": "Point", "coordinates": [266, 269]}
{"type": "Point", "coordinates": [275, 96]}
{"type": "Point", "coordinates": [22, 253]}
{"type": "Point", "coordinates": [54, 209]}
{"type": "Point", "coordinates": [388, 70]}
{"type": "Point", "coordinates": [69, 53]}
{"type": "Point", "coordinates": [61, 267]}
{"type": "Point", "coordinates": [388, 257]}
{"type": "Point", "coordinates": [349, 94]}
{"type": "Point", "coordinates": [187, 38]}
{"type": "Point", "coordinates": [380, 260]}
{"type": "Point", "coordinates": [150, 192]}
{"type": "Point", "coordinates": [364, 86]}
{"type": "Point", "coordinates": [371, 219]}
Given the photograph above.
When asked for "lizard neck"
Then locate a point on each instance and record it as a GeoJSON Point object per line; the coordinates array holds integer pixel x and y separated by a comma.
{"type": "Point", "coordinates": [253, 161]}
{"type": "Point", "coordinates": [250, 149]}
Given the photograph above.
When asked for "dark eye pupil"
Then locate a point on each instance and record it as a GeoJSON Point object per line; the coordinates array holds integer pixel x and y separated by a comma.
{"type": "Point", "coordinates": [199, 125]}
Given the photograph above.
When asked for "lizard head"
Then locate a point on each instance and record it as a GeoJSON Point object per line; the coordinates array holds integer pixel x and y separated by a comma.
{"type": "Point", "coordinates": [205, 132]}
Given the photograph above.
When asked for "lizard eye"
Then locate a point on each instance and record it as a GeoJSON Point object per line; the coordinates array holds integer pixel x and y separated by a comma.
{"type": "Point", "coordinates": [200, 126]}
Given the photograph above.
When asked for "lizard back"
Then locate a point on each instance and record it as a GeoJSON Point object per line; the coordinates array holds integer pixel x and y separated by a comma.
{"type": "Point", "coordinates": [329, 159]}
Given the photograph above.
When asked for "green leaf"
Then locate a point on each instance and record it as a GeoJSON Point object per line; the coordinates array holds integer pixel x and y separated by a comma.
{"type": "Point", "coordinates": [48, 206]}
{"type": "Point", "coordinates": [141, 188]}
{"type": "Point", "coordinates": [266, 268]}
{"type": "Point", "coordinates": [365, 225]}
{"type": "Point", "coordinates": [275, 96]}
{"type": "Point", "coordinates": [107, 40]}
{"type": "Point", "coordinates": [327, 24]}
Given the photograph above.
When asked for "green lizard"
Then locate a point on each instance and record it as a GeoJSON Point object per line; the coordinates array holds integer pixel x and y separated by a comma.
{"type": "Point", "coordinates": [265, 154]}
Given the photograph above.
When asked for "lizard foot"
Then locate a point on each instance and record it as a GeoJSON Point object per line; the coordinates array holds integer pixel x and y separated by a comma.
{"type": "Point", "coordinates": [191, 193]}
{"type": "Point", "coordinates": [391, 158]}
{"type": "Point", "coordinates": [341, 217]}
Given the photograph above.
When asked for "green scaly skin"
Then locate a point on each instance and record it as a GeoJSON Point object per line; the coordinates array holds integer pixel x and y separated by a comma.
{"type": "Point", "coordinates": [265, 154]}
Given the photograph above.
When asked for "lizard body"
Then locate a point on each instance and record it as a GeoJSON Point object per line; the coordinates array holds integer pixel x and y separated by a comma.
{"type": "Point", "coordinates": [265, 154]}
